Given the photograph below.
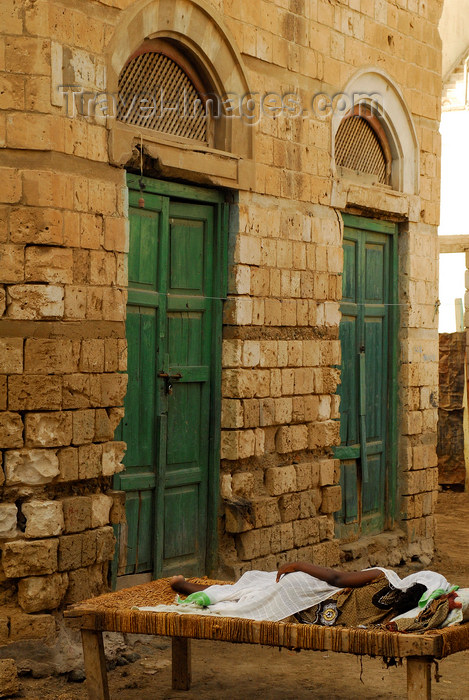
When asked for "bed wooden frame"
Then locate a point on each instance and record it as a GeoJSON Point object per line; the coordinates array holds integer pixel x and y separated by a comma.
{"type": "Point", "coordinates": [113, 612]}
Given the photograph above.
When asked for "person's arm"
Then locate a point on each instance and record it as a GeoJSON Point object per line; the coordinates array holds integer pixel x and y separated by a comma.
{"type": "Point", "coordinates": [334, 577]}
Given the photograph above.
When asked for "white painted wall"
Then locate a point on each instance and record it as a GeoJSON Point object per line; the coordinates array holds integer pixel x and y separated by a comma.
{"type": "Point", "coordinates": [454, 31]}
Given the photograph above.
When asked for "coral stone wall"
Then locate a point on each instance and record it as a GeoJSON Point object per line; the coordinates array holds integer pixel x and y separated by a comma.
{"type": "Point", "coordinates": [62, 329]}
{"type": "Point", "coordinates": [63, 275]}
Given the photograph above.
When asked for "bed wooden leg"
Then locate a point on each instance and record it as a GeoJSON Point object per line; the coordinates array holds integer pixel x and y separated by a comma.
{"type": "Point", "coordinates": [419, 679]}
{"type": "Point", "coordinates": [95, 665]}
{"type": "Point", "coordinates": [181, 663]}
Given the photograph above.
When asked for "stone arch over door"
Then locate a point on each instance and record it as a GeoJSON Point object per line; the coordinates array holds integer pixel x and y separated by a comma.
{"type": "Point", "coordinates": [375, 89]}
{"type": "Point", "coordinates": [199, 30]}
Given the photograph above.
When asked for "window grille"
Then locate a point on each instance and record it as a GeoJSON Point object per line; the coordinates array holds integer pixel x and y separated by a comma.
{"type": "Point", "coordinates": [155, 93]}
{"type": "Point", "coordinates": [357, 147]}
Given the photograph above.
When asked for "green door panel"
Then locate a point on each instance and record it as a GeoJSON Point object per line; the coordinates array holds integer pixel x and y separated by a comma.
{"type": "Point", "coordinates": [367, 390]}
{"type": "Point", "coordinates": [172, 404]}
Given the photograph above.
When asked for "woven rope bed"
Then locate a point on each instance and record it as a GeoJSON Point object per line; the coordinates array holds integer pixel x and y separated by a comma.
{"type": "Point", "coordinates": [113, 612]}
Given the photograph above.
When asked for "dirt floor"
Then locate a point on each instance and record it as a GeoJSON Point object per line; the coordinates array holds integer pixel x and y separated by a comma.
{"type": "Point", "coordinates": [242, 672]}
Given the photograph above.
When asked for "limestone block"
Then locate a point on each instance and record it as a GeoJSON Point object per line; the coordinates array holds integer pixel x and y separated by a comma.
{"type": "Point", "coordinates": [11, 429]}
{"type": "Point", "coordinates": [68, 464]}
{"type": "Point", "coordinates": [83, 426]}
{"type": "Point", "coordinates": [289, 505]}
{"type": "Point", "coordinates": [115, 417]}
{"type": "Point", "coordinates": [11, 355]}
{"type": "Point", "coordinates": [43, 518]}
{"type": "Point", "coordinates": [9, 681]}
{"type": "Point", "coordinates": [331, 499]}
{"type": "Point", "coordinates": [85, 583]}
{"type": "Point", "coordinates": [22, 558]}
{"type": "Point", "coordinates": [76, 391]}
{"type": "Point", "coordinates": [113, 388]}
{"type": "Point", "coordinates": [232, 415]}
{"type": "Point", "coordinates": [100, 509]}
{"type": "Point", "coordinates": [8, 517]}
{"type": "Point", "coordinates": [50, 356]}
{"type": "Point", "coordinates": [42, 592]}
{"type": "Point", "coordinates": [92, 355]}
{"type": "Point", "coordinates": [105, 543]}
{"type": "Point", "coordinates": [34, 392]}
{"type": "Point", "coordinates": [31, 467]}
{"type": "Point", "coordinates": [35, 301]}
{"type": "Point", "coordinates": [326, 472]}
{"type": "Point", "coordinates": [77, 513]}
{"type": "Point", "coordinates": [88, 548]}
{"type": "Point", "coordinates": [280, 480]}
{"type": "Point", "coordinates": [50, 429]}
{"type": "Point", "coordinates": [3, 301]}
{"type": "Point", "coordinates": [113, 453]}
{"type": "Point", "coordinates": [11, 263]}
{"type": "Point", "coordinates": [252, 544]}
{"type": "Point", "coordinates": [281, 537]}
{"type": "Point", "coordinates": [305, 532]}
{"type": "Point", "coordinates": [49, 264]}
{"type": "Point", "coordinates": [103, 427]}
{"type": "Point", "coordinates": [90, 459]}
{"type": "Point", "coordinates": [36, 225]}
{"type": "Point", "coordinates": [309, 502]}
{"type": "Point", "coordinates": [3, 392]}
{"type": "Point", "coordinates": [70, 552]}
{"type": "Point", "coordinates": [242, 484]}
{"type": "Point", "coordinates": [266, 512]}
{"type": "Point", "coordinates": [26, 627]}
{"type": "Point", "coordinates": [111, 355]}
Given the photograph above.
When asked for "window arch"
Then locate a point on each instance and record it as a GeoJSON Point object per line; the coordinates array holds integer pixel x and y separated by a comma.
{"type": "Point", "coordinates": [379, 100]}
{"type": "Point", "coordinates": [361, 146]}
{"type": "Point", "coordinates": [161, 89]}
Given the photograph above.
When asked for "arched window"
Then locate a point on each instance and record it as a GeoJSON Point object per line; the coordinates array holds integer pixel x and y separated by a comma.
{"type": "Point", "coordinates": [361, 146]}
{"type": "Point", "coordinates": [159, 89]}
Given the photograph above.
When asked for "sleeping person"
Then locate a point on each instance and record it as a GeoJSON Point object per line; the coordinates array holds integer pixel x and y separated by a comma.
{"type": "Point", "coordinates": [324, 596]}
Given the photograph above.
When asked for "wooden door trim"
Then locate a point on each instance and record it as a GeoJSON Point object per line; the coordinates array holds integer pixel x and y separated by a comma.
{"type": "Point", "coordinates": [217, 199]}
{"type": "Point", "coordinates": [391, 229]}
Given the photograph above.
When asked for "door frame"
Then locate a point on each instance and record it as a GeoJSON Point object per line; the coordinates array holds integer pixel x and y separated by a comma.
{"type": "Point", "coordinates": [218, 198]}
{"type": "Point", "coordinates": [391, 458]}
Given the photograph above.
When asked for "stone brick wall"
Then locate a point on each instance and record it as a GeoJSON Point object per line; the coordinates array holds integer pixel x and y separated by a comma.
{"type": "Point", "coordinates": [63, 275]}
{"type": "Point", "coordinates": [62, 331]}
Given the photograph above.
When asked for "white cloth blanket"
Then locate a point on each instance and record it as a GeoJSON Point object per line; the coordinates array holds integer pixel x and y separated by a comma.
{"type": "Point", "coordinates": [257, 596]}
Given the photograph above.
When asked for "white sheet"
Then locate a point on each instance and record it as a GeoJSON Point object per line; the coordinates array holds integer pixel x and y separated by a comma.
{"type": "Point", "coordinates": [257, 596]}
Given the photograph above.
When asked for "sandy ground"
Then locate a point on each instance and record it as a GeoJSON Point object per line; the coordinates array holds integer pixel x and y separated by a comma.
{"type": "Point", "coordinates": [242, 672]}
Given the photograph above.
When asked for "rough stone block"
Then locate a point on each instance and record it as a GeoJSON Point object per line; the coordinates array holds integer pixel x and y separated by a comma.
{"type": "Point", "coordinates": [105, 543]}
{"type": "Point", "coordinates": [51, 429]}
{"type": "Point", "coordinates": [11, 429]}
{"type": "Point", "coordinates": [35, 301]}
{"type": "Point", "coordinates": [36, 225]}
{"type": "Point", "coordinates": [11, 263]}
{"type": "Point", "coordinates": [21, 558]}
{"type": "Point", "coordinates": [85, 583]}
{"type": "Point", "coordinates": [34, 392]}
{"type": "Point", "coordinates": [9, 681]}
{"type": "Point", "coordinates": [331, 499]}
{"type": "Point", "coordinates": [76, 391]}
{"type": "Point", "coordinates": [77, 513]}
{"type": "Point", "coordinates": [242, 484]}
{"type": "Point", "coordinates": [113, 453]}
{"type": "Point", "coordinates": [83, 426]}
{"type": "Point", "coordinates": [42, 592]}
{"type": "Point", "coordinates": [289, 505]}
{"type": "Point", "coordinates": [92, 355]}
{"type": "Point", "coordinates": [24, 626]}
{"type": "Point", "coordinates": [43, 518]}
{"type": "Point", "coordinates": [238, 516]}
{"type": "Point", "coordinates": [49, 264]}
{"type": "Point", "coordinates": [31, 467]}
{"type": "Point", "coordinates": [280, 480]}
{"type": "Point", "coordinates": [305, 532]}
{"type": "Point", "coordinates": [11, 355]}
{"type": "Point", "coordinates": [90, 459]}
{"type": "Point", "coordinates": [8, 517]}
{"type": "Point", "coordinates": [68, 464]}
{"type": "Point", "coordinates": [326, 472]}
{"type": "Point", "coordinates": [88, 548]}
{"type": "Point", "coordinates": [113, 388]}
{"type": "Point", "coordinates": [104, 427]}
{"type": "Point", "coordinates": [70, 552]}
{"type": "Point", "coordinates": [255, 543]}
{"type": "Point", "coordinates": [50, 356]}
{"type": "Point", "coordinates": [266, 512]}
{"type": "Point", "coordinates": [100, 509]}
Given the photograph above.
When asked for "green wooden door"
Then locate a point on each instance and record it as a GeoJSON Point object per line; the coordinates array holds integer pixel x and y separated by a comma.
{"type": "Point", "coordinates": [172, 404]}
{"type": "Point", "coordinates": [368, 373]}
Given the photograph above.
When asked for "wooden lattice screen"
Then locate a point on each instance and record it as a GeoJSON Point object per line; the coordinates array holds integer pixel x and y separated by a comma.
{"type": "Point", "coordinates": [155, 93]}
{"type": "Point", "coordinates": [358, 148]}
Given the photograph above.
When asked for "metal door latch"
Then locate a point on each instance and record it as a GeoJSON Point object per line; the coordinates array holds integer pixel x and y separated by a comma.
{"type": "Point", "coordinates": [169, 378]}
